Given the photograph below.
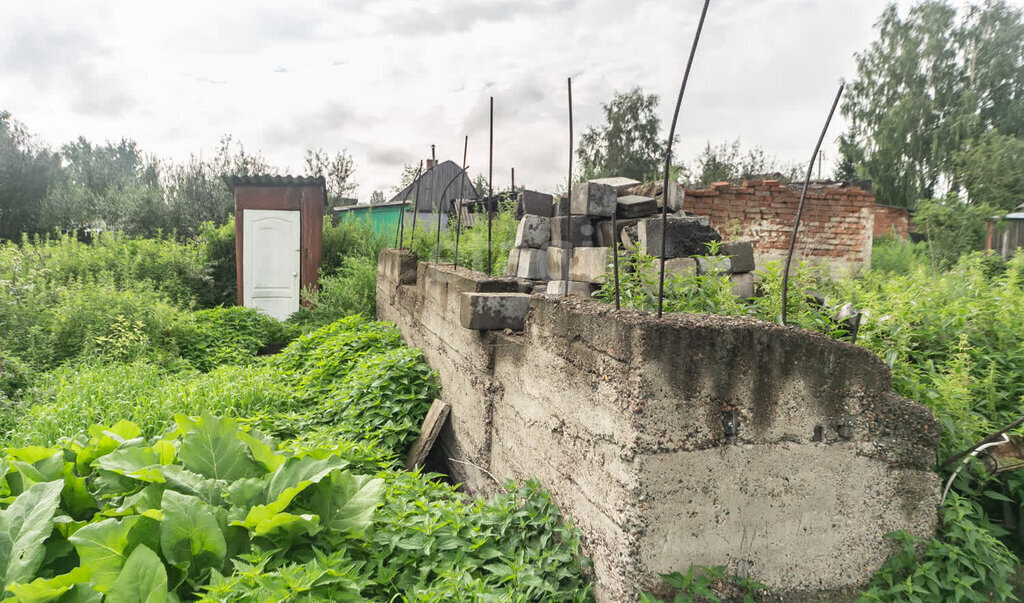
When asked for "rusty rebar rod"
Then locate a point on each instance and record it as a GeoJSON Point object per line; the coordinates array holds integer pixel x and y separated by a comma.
{"type": "Point", "coordinates": [437, 244]}
{"type": "Point", "coordinates": [567, 251]}
{"type": "Point", "coordinates": [668, 157]}
{"type": "Point", "coordinates": [401, 218]}
{"type": "Point", "coordinates": [416, 210]}
{"type": "Point", "coordinates": [615, 256]}
{"type": "Point", "coordinates": [800, 207]}
{"type": "Point", "coordinates": [490, 189]}
{"type": "Point", "coordinates": [458, 204]}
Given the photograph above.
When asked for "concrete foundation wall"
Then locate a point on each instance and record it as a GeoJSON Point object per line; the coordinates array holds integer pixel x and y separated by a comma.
{"type": "Point", "coordinates": [690, 440]}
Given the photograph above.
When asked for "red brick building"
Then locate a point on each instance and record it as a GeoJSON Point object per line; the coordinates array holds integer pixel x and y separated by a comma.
{"type": "Point", "coordinates": [837, 227]}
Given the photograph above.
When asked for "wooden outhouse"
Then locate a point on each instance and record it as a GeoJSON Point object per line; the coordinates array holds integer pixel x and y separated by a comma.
{"type": "Point", "coordinates": [278, 229]}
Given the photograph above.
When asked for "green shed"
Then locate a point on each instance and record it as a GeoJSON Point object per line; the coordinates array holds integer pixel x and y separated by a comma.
{"type": "Point", "coordinates": [383, 218]}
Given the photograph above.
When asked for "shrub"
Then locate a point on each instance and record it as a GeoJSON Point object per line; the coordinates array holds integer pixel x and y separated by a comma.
{"type": "Point", "coordinates": [210, 338]}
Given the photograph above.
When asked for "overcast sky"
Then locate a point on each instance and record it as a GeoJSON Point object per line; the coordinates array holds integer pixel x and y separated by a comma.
{"type": "Point", "coordinates": [385, 79]}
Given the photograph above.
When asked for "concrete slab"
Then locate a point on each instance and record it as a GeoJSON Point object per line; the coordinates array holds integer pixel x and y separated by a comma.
{"type": "Point", "coordinates": [493, 311]}
{"type": "Point", "coordinates": [592, 199]}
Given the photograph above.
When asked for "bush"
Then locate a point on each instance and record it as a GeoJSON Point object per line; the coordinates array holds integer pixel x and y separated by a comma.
{"type": "Point", "coordinates": [952, 227]}
{"type": "Point", "coordinates": [899, 256]}
{"type": "Point", "coordinates": [210, 338]}
{"type": "Point", "coordinates": [217, 249]}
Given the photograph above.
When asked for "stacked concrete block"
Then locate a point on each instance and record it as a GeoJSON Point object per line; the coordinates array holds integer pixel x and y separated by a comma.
{"type": "Point", "coordinates": [582, 234]}
{"type": "Point", "coordinates": [533, 232]}
{"type": "Point", "coordinates": [635, 206]}
{"type": "Point", "coordinates": [743, 284]}
{"type": "Point", "coordinates": [573, 238]}
{"type": "Point", "coordinates": [533, 264]}
{"type": "Point", "coordinates": [556, 257]}
{"type": "Point", "coordinates": [528, 260]}
{"type": "Point", "coordinates": [593, 199]}
{"type": "Point", "coordinates": [683, 237]}
{"type": "Point", "coordinates": [604, 235]}
{"type": "Point", "coordinates": [741, 253]}
{"type": "Point", "coordinates": [535, 204]}
{"type": "Point", "coordinates": [571, 288]}
{"type": "Point", "coordinates": [589, 264]}
{"type": "Point", "coordinates": [620, 184]}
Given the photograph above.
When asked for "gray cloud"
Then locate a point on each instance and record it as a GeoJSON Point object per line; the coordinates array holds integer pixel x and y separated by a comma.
{"type": "Point", "coordinates": [65, 62]}
{"type": "Point", "coordinates": [460, 18]}
{"type": "Point", "coordinates": [311, 129]}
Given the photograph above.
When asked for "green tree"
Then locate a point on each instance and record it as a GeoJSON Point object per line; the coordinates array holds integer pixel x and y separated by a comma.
{"type": "Point", "coordinates": [953, 227]}
{"type": "Point", "coordinates": [195, 191]}
{"type": "Point", "coordinates": [336, 170]}
{"type": "Point", "coordinates": [101, 186]}
{"type": "Point", "coordinates": [377, 197]}
{"type": "Point", "coordinates": [991, 168]}
{"type": "Point", "coordinates": [27, 170]}
{"type": "Point", "coordinates": [730, 163]}
{"type": "Point", "coordinates": [628, 144]}
{"type": "Point", "coordinates": [932, 81]}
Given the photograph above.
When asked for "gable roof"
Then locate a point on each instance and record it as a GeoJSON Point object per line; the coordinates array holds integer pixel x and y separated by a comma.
{"type": "Point", "coordinates": [432, 184]}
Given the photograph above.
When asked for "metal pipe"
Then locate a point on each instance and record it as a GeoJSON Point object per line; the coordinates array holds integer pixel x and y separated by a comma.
{"type": "Point", "coordinates": [800, 207]}
{"type": "Point", "coordinates": [668, 158]}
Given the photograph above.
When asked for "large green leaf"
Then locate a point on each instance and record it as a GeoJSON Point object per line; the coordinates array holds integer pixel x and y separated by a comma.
{"type": "Point", "coordinates": [103, 547]}
{"type": "Point", "coordinates": [75, 495]}
{"type": "Point", "coordinates": [346, 502]}
{"type": "Point", "coordinates": [190, 536]}
{"type": "Point", "coordinates": [286, 525]}
{"type": "Point", "coordinates": [211, 447]}
{"type": "Point", "coordinates": [24, 527]}
{"type": "Point", "coordinates": [138, 462]}
{"type": "Point", "coordinates": [142, 580]}
{"type": "Point", "coordinates": [41, 590]}
{"type": "Point", "coordinates": [297, 470]}
{"type": "Point", "coordinates": [261, 451]}
{"type": "Point", "coordinates": [187, 482]}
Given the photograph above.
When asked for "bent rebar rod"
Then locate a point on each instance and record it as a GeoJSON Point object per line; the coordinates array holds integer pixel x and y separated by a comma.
{"type": "Point", "coordinates": [668, 156]}
{"type": "Point", "coordinates": [800, 207]}
{"type": "Point", "coordinates": [437, 245]}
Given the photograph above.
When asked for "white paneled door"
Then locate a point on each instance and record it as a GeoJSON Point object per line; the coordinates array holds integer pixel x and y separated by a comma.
{"type": "Point", "coordinates": [270, 261]}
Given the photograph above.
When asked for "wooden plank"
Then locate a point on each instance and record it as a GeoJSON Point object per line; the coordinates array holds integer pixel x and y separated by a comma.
{"type": "Point", "coordinates": [428, 433]}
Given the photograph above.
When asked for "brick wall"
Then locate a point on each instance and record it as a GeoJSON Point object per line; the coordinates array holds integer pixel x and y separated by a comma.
{"type": "Point", "coordinates": [889, 219]}
{"type": "Point", "coordinates": [836, 228]}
